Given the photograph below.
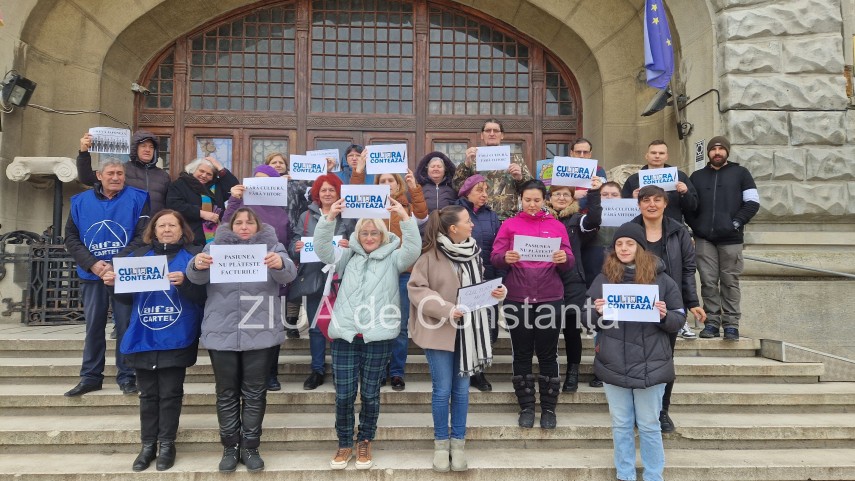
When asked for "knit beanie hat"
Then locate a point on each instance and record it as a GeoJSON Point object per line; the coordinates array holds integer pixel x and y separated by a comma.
{"type": "Point", "coordinates": [266, 169]}
{"type": "Point", "coordinates": [720, 141]}
{"type": "Point", "coordinates": [470, 184]}
{"type": "Point", "coordinates": [633, 231]}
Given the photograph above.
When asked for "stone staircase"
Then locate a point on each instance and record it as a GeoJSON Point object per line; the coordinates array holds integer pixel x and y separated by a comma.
{"type": "Point", "coordinates": [738, 416]}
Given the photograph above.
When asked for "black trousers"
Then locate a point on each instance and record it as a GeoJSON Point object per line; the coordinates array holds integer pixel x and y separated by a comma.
{"type": "Point", "coordinates": [161, 394]}
{"type": "Point", "coordinates": [534, 330]}
{"type": "Point", "coordinates": [666, 398]}
{"type": "Point", "coordinates": [241, 384]}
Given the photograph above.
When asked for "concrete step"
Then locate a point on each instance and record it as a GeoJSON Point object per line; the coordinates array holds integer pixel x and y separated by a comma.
{"type": "Point", "coordinates": [294, 368]}
{"type": "Point", "coordinates": [414, 430]}
{"type": "Point", "coordinates": [14, 346]}
{"type": "Point", "coordinates": [716, 398]}
{"type": "Point", "coordinates": [484, 465]}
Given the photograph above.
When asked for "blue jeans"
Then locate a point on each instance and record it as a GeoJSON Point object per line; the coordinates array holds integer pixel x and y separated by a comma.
{"type": "Point", "coordinates": [447, 384]}
{"type": "Point", "coordinates": [637, 407]}
{"type": "Point", "coordinates": [317, 341]}
{"type": "Point", "coordinates": [402, 342]}
{"type": "Point", "coordinates": [96, 298]}
{"type": "Point", "coordinates": [358, 366]}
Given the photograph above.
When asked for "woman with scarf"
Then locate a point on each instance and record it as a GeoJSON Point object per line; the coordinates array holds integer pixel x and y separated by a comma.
{"type": "Point", "coordinates": [456, 343]}
{"type": "Point", "coordinates": [582, 230]}
{"type": "Point", "coordinates": [199, 195]}
{"type": "Point", "coordinates": [535, 291]}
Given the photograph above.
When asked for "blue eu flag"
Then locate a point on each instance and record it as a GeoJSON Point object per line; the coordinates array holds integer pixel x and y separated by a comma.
{"type": "Point", "coordinates": [658, 48]}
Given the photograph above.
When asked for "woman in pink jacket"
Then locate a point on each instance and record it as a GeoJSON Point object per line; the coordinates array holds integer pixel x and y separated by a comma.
{"type": "Point", "coordinates": [533, 307]}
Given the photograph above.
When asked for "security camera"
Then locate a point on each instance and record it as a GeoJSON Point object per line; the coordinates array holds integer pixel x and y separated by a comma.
{"type": "Point", "coordinates": [135, 87]}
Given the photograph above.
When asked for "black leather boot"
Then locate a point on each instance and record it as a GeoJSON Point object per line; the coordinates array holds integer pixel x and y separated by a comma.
{"type": "Point", "coordinates": [524, 389]}
{"type": "Point", "coordinates": [548, 400]}
{"type": "Point", "coordinates": [146, 456]}
{"type": "Point", "coordinates": [231, 456]}
{"type": "Point", "coordinates": [166, 456]}
{"type": "Point", "coordinates": [571, 379]}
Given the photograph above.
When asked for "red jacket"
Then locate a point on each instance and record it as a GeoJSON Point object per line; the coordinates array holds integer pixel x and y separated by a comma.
{"type": "Point", "coordinates": [535, 281]}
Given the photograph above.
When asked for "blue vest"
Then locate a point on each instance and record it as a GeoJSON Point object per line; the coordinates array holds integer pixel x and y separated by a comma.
{"type": "Point", "coordinates": [163, 320]}
{"type": "Point", "coordinates": [106, 225]}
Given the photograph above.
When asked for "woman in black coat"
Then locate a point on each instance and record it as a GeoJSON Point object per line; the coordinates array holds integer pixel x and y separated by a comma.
{"type": "Point", "coordinates": [200, 194]}
{"type": "Point", "coordinates": [582, 229]}
{"type": "Point", "coordinates": [670, 241]}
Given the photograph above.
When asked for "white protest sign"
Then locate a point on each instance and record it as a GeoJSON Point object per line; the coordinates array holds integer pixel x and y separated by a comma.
{"type": "Point", "coordinates": [617, 212]}
{"type": "Point", "coordinates": [573, 171]}
{"type": "Point", "coordinates": [109, 140]}
{"type": "Point", "coordinates": [630, 302]}
{"type": "Point", "coordinates": [265, 191]}
{"type": "Point", "coordinates": [386, 159]}
{"type": "Point", "coordinates": [324, 154]}
{"type": "Point", "coordinates": [536, 248]}
{"type": "Point", "coordinates": [308, 254]}
{"type": "Point", "coordinates": [304, 167]}
{"type": "Point", "coordinates": [368, 201]}
{"type": "Point", "coordinates": [497, 157]}
{"type": "Point", "coordinates": [141, 274]}
{"type": "Point", "coordinates": [665, 178]}
{"type": "Point", "coordinates": [238, 263]}
{"type": "Point", "coordinates": [474, 297]}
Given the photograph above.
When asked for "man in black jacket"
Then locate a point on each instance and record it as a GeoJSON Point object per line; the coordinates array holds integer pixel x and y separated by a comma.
{"type": "Point", "coordinates": [680, 201]}
{"type": "Point", "coordinates": [728, 199]}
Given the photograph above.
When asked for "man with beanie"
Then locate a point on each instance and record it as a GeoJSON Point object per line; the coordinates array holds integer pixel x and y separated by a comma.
{"type": "Point", "coordinates": [727, 200]}
{"type": "Point", "coordinates": [503, 184]}
{"type": "Point", "coordinates": [141, 172]}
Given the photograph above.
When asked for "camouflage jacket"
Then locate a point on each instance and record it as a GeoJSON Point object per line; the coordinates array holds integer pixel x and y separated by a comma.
{"type": "Point", "coordinates": [502, 188]}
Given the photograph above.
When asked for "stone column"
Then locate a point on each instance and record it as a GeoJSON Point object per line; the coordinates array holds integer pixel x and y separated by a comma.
{"type": "Point", "coordinates": [784, 94]}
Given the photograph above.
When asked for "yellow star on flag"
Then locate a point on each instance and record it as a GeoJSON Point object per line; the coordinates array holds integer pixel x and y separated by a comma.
{"type": "Point", "coordinates": [654, 7]}
{"type": "Point", "coordinates": [655, 20]}
{"type": "Point", "coordinates": [668, 42]}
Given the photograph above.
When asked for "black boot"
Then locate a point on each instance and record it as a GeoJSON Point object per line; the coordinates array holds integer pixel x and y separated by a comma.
{"type": "Point", "coordinates": [480, 382]}
{"type": "Point", "coordinates": [146, 456]}
{"type": "Point", "coordinates": [291, 331]}
{"type": "Point", "coordinates": [231, 456]}
{"type": "Point", "coordinates": [166, 456]}
{"type": "Point", "coordinates": [524, 389]}
{"type": "Point", "coordinates": [548, 400]}
{"type": "Point", "coordinates": [571, 379]}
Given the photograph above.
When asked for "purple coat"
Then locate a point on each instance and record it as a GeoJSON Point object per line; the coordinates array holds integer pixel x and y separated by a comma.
{"type": "Point", "coordinates": [536, 281]}
{"type": "Point", "coordinates": [275, 216]}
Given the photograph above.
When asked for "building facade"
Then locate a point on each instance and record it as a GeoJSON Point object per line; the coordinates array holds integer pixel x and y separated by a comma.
{"type": "Point", "coordinates": [242, 78]}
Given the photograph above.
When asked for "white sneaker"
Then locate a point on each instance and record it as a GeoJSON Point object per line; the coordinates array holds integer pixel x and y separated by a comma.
{"type": "Point", "coordinates": [686, 332]}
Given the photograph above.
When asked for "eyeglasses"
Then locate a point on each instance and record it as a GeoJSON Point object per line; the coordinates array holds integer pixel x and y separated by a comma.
{"type": "Point", "coordinates": [492, 131]}
{"type": "Point", "coordinates": [373, 233]}
{"type": "Point", "coordinates": [582, 152]}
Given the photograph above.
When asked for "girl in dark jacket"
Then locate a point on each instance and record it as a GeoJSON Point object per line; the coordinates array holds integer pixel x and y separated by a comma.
{"type": "Point", "coordinates": [582, 230]}
{"type": "Point", "coordinates": [670, 241]}
{"type": "Point", "coordinates": [200, 195]}
{"type": "Point", "coordinates": [473, 196]}
{"type": "Point", "coordinates": [634, 359]}
{"type": "Point", "coordinates": [434, 173]}
{"type": "Point", "coordinates": [161, 346]}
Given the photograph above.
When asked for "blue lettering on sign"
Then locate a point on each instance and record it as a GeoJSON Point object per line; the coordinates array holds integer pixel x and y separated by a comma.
{"type": "Point", "coordinates": [658, 179]}
{"type": "Point", "coordinates": [570, 172]}
{"type": "Point", "coordinates": [629, 302]}
{"type": "Point", "coordinates": [131, 274]}
{"type": "Point", "coordinates": [363, 201]}
{"type": "Point", "coordinates": [386, 157]}
{"type": "Point", "coordinates": [307, 168]}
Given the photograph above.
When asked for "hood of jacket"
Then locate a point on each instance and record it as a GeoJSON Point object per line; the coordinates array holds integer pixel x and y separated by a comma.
{"type": "Point", "coordinates": [139, 137]}
{"type": "Point", "coordinates": [266, 235]}
{"type": "Point", "coordinates": [421, 169]}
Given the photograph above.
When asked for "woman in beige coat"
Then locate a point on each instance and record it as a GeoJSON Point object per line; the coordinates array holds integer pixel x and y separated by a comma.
{"type": "Point", "coordinates": [456, 341]}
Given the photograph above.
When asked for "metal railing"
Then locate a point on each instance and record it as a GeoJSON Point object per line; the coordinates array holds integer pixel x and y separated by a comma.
{"type": "Point", "coordinates": [799, 266]}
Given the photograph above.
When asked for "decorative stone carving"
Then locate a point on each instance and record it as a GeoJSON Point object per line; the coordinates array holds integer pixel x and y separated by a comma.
{"type": "Point", "coordinates": [814, 55]}
{"type": "Point", "coordinates": [622, 172]}
{"type": "Point", "coordinates": [753, 57]}
{"type": "Point", "coordinates": [23, 167]}
{"type": "Point", "coordinates": [785, 92]}
{"type": "Point", "coordinates": [757, 128]}
{"type": "Point", "coordinates": [759, 161]}
{"type": "Point", "coordinates": [817, 128]}
{"type": "Point", "coordinates": [789, 164]}
{"type": "Point", "coordinates": [830, 163]}
{"type": "Point", "coordinates": [794, 17]}
{"type": "Point", "coordinates": [775, 199]}
{"type": "Point", "coordinates": [821, 199]}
